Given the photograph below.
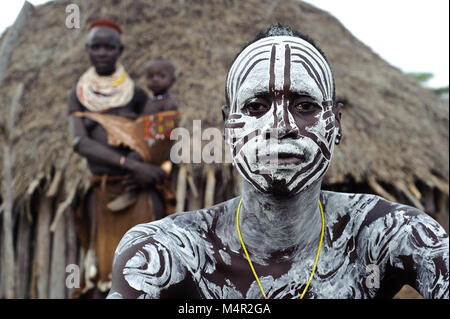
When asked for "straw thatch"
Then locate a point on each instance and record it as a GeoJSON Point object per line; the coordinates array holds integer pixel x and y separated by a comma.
{"type": "Point", "coordinates": [395, 132]}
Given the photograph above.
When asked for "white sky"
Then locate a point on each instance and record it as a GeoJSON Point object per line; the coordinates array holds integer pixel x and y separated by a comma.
{"type": "Point", "coordinates": [412, 35]}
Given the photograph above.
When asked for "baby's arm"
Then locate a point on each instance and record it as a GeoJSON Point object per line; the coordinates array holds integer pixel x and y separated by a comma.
{"type": "Point", "coordinates": [151, 107]}
{"type": "Point", "coordinates": [171, 105]}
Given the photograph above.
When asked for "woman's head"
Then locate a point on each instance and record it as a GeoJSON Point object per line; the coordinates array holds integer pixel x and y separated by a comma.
{"type": "Point", "coordinates": [104, 46]}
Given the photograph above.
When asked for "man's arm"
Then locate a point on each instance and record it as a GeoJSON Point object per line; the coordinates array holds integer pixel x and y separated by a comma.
{"type": "Point", "coordinates": [400, 245]}
{"type": "Point", "coordinates": [144, 267]}
{"type": "Point", "coordinates": [422, 248]}
{"type": "Point", "coordinates": [407, 247]}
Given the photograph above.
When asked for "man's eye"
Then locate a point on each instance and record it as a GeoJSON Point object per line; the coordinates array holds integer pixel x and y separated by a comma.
{"type": "Point", "coordinates": [256, 107]}
{"type": "Point", "coordinates": [305, 107]}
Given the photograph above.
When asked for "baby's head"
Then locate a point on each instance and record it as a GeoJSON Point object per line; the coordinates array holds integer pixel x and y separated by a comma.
{"type": "Point", "coordinates": [160, 75]}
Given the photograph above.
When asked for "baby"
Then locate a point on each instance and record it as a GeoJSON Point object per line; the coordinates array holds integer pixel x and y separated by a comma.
{"type": "Point", "coordinates": [160, 78]}
{"type": "Point", "coordinates": [159, 117]}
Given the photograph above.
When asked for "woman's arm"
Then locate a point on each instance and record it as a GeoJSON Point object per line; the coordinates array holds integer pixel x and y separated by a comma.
{"type": "Point", "coordinates": [92, 150]}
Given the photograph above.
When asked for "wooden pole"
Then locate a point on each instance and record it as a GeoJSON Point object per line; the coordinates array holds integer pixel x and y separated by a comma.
{"type": "Point", "coordinates": [57, 289]}
{"type": "Point", "coordinates": [23, 254]}
{"type": "Point", "coordinates": [41, 264]}
{"type": "Point", "coordinates": [181, 188]}
{"type": "Point", "coordinates": [379, 190]}
{"type": "Point", "coordinates": [404, 189]}
{"type": "Point", "coordinates": [8, 245]}
{"type": "Point", "coordinates": [442, 209]}
{"type": "Point", "coordinates": [192, 186]}
{"type": "Point", "coordinates": [62, 207]}
{"type": "Point", "coordinates": [71, 244]}
{"type": "Point", "coordinates": [195, 193]}
{"type": "Point", "coordinates": [210, 186]}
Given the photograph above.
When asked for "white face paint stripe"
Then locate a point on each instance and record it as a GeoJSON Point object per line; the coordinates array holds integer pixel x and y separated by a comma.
{"type": "Point", "coordinates": [310, 55]}
{"type": "Point", "coordinates": [244, 70]}
{"type": "Point", "coordinates": [315, 53]}
{"type": "Point", "coordinates": [313, 74]}
{"type": "Point", "coordinates": [311, 61]}
{"type": "Point", "coordinates": [237, 65]}
{"type": "Point", "coordinates": [243, 55]}
{"type": "Point", "coordinates": [309, 58]}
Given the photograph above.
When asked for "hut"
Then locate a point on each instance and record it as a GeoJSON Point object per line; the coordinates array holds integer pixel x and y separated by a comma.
{"type": "Point", "coordinates": [395, 140]}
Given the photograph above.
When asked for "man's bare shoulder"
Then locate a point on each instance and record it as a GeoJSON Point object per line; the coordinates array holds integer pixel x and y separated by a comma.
{"type": "Point", "coordinates": [372, 218]}
{"type": "Point", "coordinates": [152, 258]}
{"type": "Point", "coordinates": [162, 232]}
{"type": "Point", "coordinates": [366, 208]}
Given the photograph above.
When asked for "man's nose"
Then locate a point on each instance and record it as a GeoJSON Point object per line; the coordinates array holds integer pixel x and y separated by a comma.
{"type": "Point", "coordinates": [282, 125]}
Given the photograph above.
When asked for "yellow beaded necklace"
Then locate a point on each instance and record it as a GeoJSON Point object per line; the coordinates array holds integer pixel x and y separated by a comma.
{"type": "Point", "coordinates": [250, 262]}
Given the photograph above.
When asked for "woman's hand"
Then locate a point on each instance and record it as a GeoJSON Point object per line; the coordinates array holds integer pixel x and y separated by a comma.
{"type": "Point", "coordinates": [143, 173]}
{"type": "Point", "coordinates": [134, 156]}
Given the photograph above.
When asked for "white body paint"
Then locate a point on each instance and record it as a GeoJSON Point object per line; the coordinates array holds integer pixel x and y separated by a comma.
{"type": "Point", "coordinates": [380, 242]}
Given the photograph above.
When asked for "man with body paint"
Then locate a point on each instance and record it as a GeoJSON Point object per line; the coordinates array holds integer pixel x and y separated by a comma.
{"type": "Point", "coordinates": [284, 237]}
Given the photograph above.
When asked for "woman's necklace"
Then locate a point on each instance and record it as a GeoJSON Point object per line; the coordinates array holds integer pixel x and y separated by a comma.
{"type": "Point", "coordinates": [250, 262]}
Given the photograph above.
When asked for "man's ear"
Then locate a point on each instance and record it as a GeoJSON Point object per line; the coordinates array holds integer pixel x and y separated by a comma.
{"type": "Point", "coordinates": [337, 122]}
{"type": "Point", "coordinates": [225, 112]}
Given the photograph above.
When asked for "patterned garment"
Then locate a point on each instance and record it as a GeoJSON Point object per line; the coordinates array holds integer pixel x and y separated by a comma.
{"type": "Point", "coordinates": [100, 233]}
{"type": "Point", "coordinates": [99, 93]}
{"type": "Point", "coordinates": [149, 135]}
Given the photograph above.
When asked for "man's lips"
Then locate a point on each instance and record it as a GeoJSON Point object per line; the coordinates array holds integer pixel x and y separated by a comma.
{"type": "Point", "coordinates": [283, 158]}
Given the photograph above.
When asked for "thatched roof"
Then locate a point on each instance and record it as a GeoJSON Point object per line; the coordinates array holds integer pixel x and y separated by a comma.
{"type": "Point", "coordinates": [393, 128]}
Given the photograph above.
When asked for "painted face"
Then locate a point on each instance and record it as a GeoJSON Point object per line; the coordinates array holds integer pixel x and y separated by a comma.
{"type": "Point", "coordinates": [281, 128]}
